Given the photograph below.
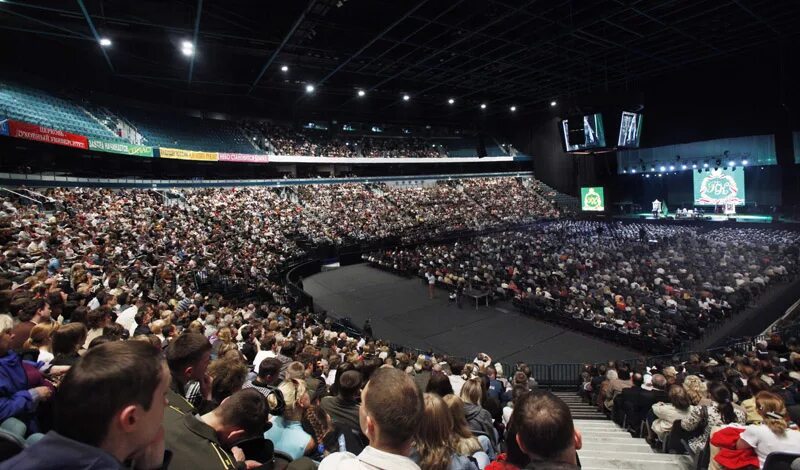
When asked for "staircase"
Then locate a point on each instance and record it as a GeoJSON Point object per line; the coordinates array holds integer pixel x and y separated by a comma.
{"type": "Point", "coordinates": [606, 446]}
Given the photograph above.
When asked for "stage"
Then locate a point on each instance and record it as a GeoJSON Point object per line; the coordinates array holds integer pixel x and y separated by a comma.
{"type": "Point", "coordinates": [743, 218]}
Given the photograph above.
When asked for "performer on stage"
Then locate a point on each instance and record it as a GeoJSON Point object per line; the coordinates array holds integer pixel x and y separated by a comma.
{"type": "Point", "coordinates": [656, 208]}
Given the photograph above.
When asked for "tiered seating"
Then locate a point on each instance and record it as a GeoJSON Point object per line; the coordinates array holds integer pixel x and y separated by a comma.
{"type": "Point", "coordinates": [169, 130]}
{"type": "Point", "coordinates": [37, 107]}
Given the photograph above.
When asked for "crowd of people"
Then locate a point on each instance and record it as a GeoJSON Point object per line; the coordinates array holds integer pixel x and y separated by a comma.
{"type": "Point", "coordinates": [280, 139]}
{"type": "Point", "coordinates": [729, 409]}
{"type": "Point", "coordinates": [665, 283]}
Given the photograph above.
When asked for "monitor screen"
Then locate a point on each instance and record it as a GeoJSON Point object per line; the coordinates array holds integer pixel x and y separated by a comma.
{"type": "Point", "coordinates": [630, 130]}
{"type": "Point", "coordinates": [593, 199]}
{"type": "Point", "coordinates": [593, 137]}
{"type": "Point", "coordinates": [719, 186]}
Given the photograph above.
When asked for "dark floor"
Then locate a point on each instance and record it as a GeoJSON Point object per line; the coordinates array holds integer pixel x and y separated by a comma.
{"type": "Point", "coordinates": [402, 313]}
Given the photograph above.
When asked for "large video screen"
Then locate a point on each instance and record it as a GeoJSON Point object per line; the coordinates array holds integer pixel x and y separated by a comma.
{"type": "Point", "coordinates": [593, 132]}
{"type": "Point", "coordinates": [630, 130]}
{"type": "Point", "coordinates": [593, 199]}
{"type": "Point", "coordinates": [719, 186]}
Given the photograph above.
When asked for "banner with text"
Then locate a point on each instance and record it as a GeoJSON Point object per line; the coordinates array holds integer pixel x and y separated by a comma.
{"type": "Point", "coordinates": [180, 154]}
{"type": "Point", "coordinates": [123, 148]}
{"type": "Point", "coordinates": [23, 130]}
{"type": "Point", "coordinates": [243, 158]}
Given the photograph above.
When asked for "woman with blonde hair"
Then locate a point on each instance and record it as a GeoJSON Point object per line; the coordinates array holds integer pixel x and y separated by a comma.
{"type": "Point", "coordinates": [287, 433]}
{"type": "Point", "coordinates": [773, 435]}
{"type": "Point", "coordinates": [41, 339]}
{"type": "Point", "coordinates": [464, 441]}
{"type": "Point", "coordinates": [478, 418]}
{"type": "Point", "coordinates": [696, 390]}
{"type": "Point", "coordinates": [434, 447]}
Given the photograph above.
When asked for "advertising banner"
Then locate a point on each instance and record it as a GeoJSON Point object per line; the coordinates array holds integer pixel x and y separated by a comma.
{"type": "Point", "coordinates": [123, 148]}
{"type": "Point", "coordinates": [180, 154]}
{"type": "Point", "coordinates": [243, 158]}
{"type": "Point", "coordinates": [23, 130]}
{"type": "Point", "coordinates": [593, 199]}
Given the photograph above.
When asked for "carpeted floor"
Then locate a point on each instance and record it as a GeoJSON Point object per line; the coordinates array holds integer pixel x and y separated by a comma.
{"type": "Point", "coordinates": [401, 312]}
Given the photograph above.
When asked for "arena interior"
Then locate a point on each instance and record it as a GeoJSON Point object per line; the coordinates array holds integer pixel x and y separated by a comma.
{"type": "Point", "coordinates": [399, 234]}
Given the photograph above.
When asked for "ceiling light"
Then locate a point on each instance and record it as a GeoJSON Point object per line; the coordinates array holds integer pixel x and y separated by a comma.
{"type": "Point", "coordinates": [683, 167]}
{"type": "Point", "coordinates": [451, 101]}
{"type": "Point", "coordinates": [663, 168]}
{"type": "Point", "coordinates": [705, 165]}
{"type": "Point", "coordinates": [732, 163]}
{"type": "Point", "coordinates": [406, 97]}
{"type": "Point", "coordinates": [671, 167]}
{"type": "Point", "coordinates": [694, 165]}
{"type": "Point", "coordinates": [744, 162]}
{"type": "Point", "coordinates": [284, 68]}
{"type": "Point", "coordinates": [187, 51]}
{"type": "Point", "coordinates": [513, 108]}
{"type": "Point", "coordinates": [361, 92]}
{"type": "Point", "coordinates": [309, 88]}
{"type": "Point", "coordinates": [633, 170]}
{"type": "Point", "coordinates": [187, 45]}
{"type": "Point", "coordinates": [483, 105]}
{"type": "Point", "coordinates": [105, 42]}
{"type": "Point", "coordinates": [624, 170]}
{"type": "Point", "coordinates": [553, 103]}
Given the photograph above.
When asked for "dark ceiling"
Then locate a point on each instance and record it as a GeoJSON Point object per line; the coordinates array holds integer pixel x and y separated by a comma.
{"type": "Point", "coordinates": [498, 52]}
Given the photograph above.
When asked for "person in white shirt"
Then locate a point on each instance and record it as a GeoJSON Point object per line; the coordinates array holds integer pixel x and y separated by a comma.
{"type": "Point", "coordinates": [773, 435]}
{"type": "Point", "coordinates": [390, 412]}
{"type": "Point", "coordinates": [269, 348]}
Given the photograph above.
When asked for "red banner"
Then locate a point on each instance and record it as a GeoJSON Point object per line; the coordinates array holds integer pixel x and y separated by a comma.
{"type": "Point", "coordinates": [23, 130]}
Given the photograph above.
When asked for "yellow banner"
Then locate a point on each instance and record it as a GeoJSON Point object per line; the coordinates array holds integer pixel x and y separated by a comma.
{"type": "Point", "coordinates": [188, 155]}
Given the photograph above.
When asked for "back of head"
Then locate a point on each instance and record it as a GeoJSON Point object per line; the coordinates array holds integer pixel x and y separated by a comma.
{"type": "Point", "coordinates": [269, 367]}
{"type": "Point", "coordinates": [439, 384]}
{"type": "Point", "coordinates": [295, 370]}
{"type": "Point", "coordinates": [722, 397]}
{"type": "Point", "coordinates": [68, 338]}
{"type": "Point", "coordinates": [106, 379]}
{"type": "Point", "coordinates": [433, 438]}
{"type": "Point", "coordinates": [637, 379]}
{"type": "Point", "coordinates": [245, 410]}
{"type": "Point", "coordinates": [678, 397]}
{"type": "Point", "coordinates": [350, 384]}
{"type": "Point", "coordinates": [394, 402]}
{"type": "Point", "coordinates": [659, 382]}
{"type": "Point", "coordinates": [472, 391]}
{"type": "Point", "coordinates": [772, 408]}
{"type": "Point", "coordinates": [186, 350]}
{"type": "Point", "coordinates": [544, 425]}
{"type": "Point", "coordinates": [456, 406]}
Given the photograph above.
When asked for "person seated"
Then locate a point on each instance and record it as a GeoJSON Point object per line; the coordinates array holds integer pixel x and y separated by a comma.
{"type": "Point", "coordinates": [209, 440]}
{"type": "Point", "coordinates": [433, 446]}
{"type": "Point", "coordinates": [679, 407]}
{"type": "Point", "coordinates": [286, 433]}
{"type": "Point", "coordinates": [545, 431]}
{"type": "Point", "coordinates": [774, 434]}
{"type": "Point", "coordinates": [108, 410]}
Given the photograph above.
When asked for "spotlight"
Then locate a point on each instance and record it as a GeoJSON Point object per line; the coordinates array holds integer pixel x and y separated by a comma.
{"type": "Point", "coordinates": [553, 103]}
{"type": "Point", "coordinates": [451, 101]}
{"type": "Point", "coordinates": [187, 51]}
{"type": "Point", "coordinates": [483, 105]}
{"type": "Point", "coordinates": [187, 45]}
{"type": "Point", "coordinates": [662, 168]}
{"type": "Point", "coordinates": [732, 164]}
{"type": "Point", "coordinates": [284, 68]}
{"type": "Point", "coordinates": [513, 108]}
{"type": "Point", "coordinates": [309, 88]}
{"type": "Point", "coordinates": [406, 97]}
{"type": "Point", "coordinates": [671, 167]}
{"type": "Point", "coordinates": [683, 167]}
{"type": "Point", "coordinates": [652, 168]}
{"type": "Point", "coordinates": [660, 175]}
{"type": "Point", "coordinates": [624, 171]}
{"type": "Point", "coordinates": [694, 165]}
{"type": "Point", "coordinates": [633, 170]}
{"type": "Point", "coordinates": [647, 175]}
{"type": "Point", "coordinates": [705, 165]}
{"type": "Point", "coordinates": [744, 162]}
{"type": "Point", "coordinates": [105, 42]}
{"type": "Point", "coordinates": [361, 92]}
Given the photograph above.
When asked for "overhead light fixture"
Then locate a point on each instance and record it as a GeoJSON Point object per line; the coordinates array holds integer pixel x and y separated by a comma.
{"type": "Point", "coordinates": [663, 168]}
{"type": "Point", "coordinates": [744, 162]}
{"type": "Point", "coordinates": [483, 105]}
{"type": "Point", "coordinates": [451, 101]}
{"type": "Point", "coordinates": [694, 165]}
{"type": "Point", "coordinates": [652, 168]}
{"type": "Point", "coordinates": [683, 167]}
{"type": "Point", "coordinates": [633, 170]}
{"type": "Point", "coordinates": [624, 170]}
{"type": "Point", "coordinates": [309, 88]}
{"type": "Point", "coordinates": [406, 97]}
{"type": "Point", "coordinates": [732, 164]}
{"type": "Point", "coordinates": [672, 168]}
{"type": "Point", "coordinates": [187, 51]}
{"type": "Point", "coordinates": [513, 108]}
{"type": "Point", "coordinates": [553, 103]}
{"type": "Point", "coordinates": [361, 92]}
{"type": "Point", "coordinates": [187, 45]}
{"type": "Point", "coordinates": [105, 42]}
{"type": "Point", "coordinates": [705, 165]}
{"type": "Point", "coordinates": [284, 68]}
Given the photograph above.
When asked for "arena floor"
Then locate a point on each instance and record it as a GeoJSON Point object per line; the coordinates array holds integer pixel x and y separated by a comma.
{"type": "Point", "coordinates": [401, 312]}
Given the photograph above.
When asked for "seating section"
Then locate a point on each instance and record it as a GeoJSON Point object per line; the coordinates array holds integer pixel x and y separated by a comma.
{"type": "Point", "coordinates": [37, 107]}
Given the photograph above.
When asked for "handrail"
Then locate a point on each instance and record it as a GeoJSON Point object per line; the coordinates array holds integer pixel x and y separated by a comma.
{"type": "Point", "coordinates": [23, 196]}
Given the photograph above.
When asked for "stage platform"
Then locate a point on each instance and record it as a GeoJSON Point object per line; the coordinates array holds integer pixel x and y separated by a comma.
{"type": "Point", "coordinates": [746, 218]}
{"type": "Point", "coordinates": [401, 312]}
